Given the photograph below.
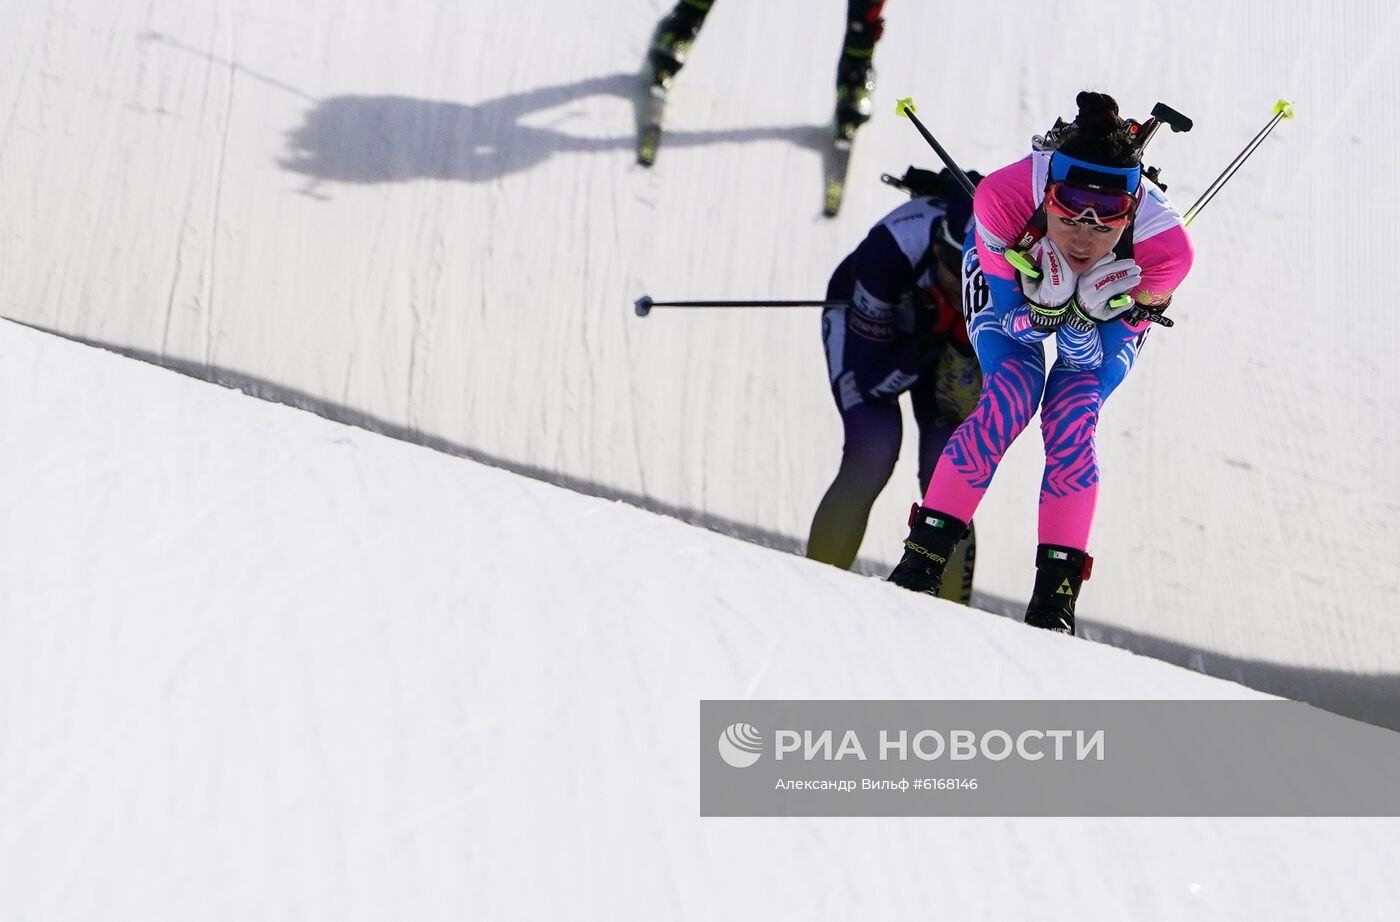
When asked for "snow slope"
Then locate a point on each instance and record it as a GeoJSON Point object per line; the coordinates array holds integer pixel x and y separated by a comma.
{"type": "Point", "coordinates": [425, 216]}
{"type": "Point", "coordinates": [254, 664]}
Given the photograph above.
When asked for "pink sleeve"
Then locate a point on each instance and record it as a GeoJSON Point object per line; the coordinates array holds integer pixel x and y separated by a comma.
{"type": "Point", "coordinates": [1003, 204]}
{"type": "Point", "coordinates": [1165, 259]}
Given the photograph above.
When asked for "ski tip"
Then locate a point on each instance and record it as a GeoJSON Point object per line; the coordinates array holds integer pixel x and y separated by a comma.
{"type": "Point", "coordinates": [647, 145]}
{"type": "Point", "coordinates": [834, 193]}
{"type": "Point", "coordinates": [1283, 107]}
{"type": "Point", "coordinates": [905, 106]}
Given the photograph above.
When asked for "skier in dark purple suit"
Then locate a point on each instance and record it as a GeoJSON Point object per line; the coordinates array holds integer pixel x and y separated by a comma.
{"type": "Point", "coordinates": [903, 332]}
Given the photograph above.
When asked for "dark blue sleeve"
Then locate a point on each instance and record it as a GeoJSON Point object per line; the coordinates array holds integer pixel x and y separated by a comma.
{"type": "Point", "coordinates": [1006, 294]}
{"type": "Point", "coordinates": [884, 361]}
{"type": "Point", "coordinates": [881, 267]}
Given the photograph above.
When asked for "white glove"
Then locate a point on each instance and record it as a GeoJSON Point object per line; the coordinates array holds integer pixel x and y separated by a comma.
{"type": "Point", "coordinates": [1108, 279]}
{"type": "Point", "coordinates": [1050, 295]}
{"type": "Point", "coordinates": [1057, 280]}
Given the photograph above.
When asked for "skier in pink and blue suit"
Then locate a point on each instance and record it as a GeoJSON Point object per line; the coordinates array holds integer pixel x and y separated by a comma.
{"type": "Point", "coordinates": [1111, 250]}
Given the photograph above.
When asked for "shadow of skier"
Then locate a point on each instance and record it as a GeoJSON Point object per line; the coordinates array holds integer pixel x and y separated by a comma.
{"type": "Point", "coordinates": [381, 139]}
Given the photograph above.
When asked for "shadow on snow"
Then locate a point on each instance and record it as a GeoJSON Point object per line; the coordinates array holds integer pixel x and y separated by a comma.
{"type": "Point", "coordinates": [380, 139]}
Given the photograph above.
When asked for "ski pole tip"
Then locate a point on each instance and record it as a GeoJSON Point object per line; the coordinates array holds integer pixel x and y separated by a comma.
{"type": "Point", "coordinates": [643, 305]}
{"type": "Point", "coordinates": [905, 106]}
{"type": "Point", "coordinates": [1283, 107]}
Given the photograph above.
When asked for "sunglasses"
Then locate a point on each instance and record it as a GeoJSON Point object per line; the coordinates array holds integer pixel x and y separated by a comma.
{"type": "Point", "coordinates": [1075, 204]}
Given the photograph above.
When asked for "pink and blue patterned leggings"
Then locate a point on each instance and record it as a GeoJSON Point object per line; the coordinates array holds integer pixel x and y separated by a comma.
{"type": "Point", "coordinates": [1014, 386]}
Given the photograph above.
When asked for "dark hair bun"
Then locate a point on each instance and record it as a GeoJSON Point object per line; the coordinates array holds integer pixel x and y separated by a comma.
{"type": "Point", "coordinates": [1098, 134]}
{"type": "Point", "coordinates": [1098, 113]}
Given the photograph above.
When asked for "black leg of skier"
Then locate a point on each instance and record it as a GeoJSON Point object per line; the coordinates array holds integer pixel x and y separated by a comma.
{"type": "Point", "coordinates": [855, 71]}
{"type": "Point", "coordinates": [666, 54]}
{"type": "Point", "coordinates": [855, 81]}
{"type": "Point", "coordinates": [674, 34]}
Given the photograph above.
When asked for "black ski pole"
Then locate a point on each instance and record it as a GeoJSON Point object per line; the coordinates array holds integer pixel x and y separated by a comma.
{"type": "Point", "coordinates": [644, 304]}
{"type": "Point", "coordinates": [905, 107]}
{"type": "Point", "coordinates": [1282, 110]}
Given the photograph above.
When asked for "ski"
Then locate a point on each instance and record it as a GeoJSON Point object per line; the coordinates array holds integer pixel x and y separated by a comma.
{"type": "Point", "coordinates": [838, 160]}
{"type": "Point", "coordinates": [653, 108]}
{"type": "Point", "coordinates": [670, 43]}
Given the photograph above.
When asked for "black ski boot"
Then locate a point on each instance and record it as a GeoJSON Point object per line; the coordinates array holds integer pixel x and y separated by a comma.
{"type": "Point", "coordinates": [932, 537]}
{"type": "Point", "coordinates": [855, 81]}
{"type": "Point", "coordinates": [674, 34]}
{"type": "Point", "coordinates": [855, 75]}
{"type": "Point", "coordinates": [1059, 572]}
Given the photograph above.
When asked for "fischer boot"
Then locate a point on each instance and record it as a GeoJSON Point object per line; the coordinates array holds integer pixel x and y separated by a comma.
{"type": "Point", "coordinates": [1059, 573]}
{"type": "Point", "coordinates": [932, 537]}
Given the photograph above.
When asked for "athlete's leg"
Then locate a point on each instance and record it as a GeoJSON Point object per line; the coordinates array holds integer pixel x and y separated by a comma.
{"type": "Point", "coordinates": [872, 436]}
{"type": "Point", "coordinates": [1013, 380]}
{"type": "Point", "coordinates": [1069, 420]}
{"type": "Point", "coordinates": [674, 34]}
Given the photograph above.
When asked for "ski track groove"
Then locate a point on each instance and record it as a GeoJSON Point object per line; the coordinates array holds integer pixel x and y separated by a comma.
{"type": "Point", "coordinates": [186, 225]}
{"type": "Point", "coordinates": [18, 90]}
{"type": "Point", "coordinates": [211, 287]}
